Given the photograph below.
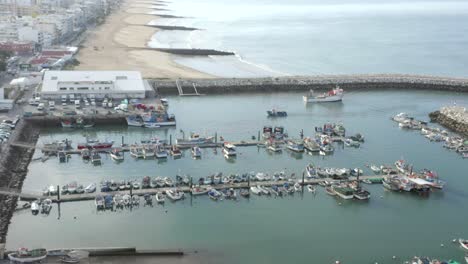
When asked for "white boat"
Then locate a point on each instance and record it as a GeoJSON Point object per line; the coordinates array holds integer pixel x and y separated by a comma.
{"type": "Point", "coordinates": [334, 95]}
{"type": "Point", "coordinates": [330, 191]}
{"type": "Point", "coordinates": [116, 155]}
{"type": "Point", "coordinates": [256, 190]}
{"type": "Point", "coordinates": [322, 153]}
{"type": "Point", "coordinates": [160, 197]}
{"type": "Point", "coordinates": [463, 244]}
{"type": "Point", "coordinates": [197, 190]}
{"type": "Point", "coordinates": [23, 255]}
{"type": "Point", "coordinates": [161, 153]}
{"type": "Point", "coordinates": [196, 152]}
{"type": "Point", "coordinates": [297, 187]}
{"type": "Point", "coordinates": [35, 207]}
{"type": "Point", "coordinates": [51, 190]}
{"type": "Point", "coordinates": [215, 194]}
{"type": "Point", "coordinates": [194, 139]}
{"type": "Point", "coordinates": [127, 200]}
{"type": "Point", "coordinates": [136, 152]}
{"type": "Point", "coordinates": [275, 147]}
{"type": "Point", "coordinates": [311, 171]}
{"type": "Point", "coordinates": [263, 190]}
{"type": "Point", "coordinates": [147, 152]}
{"type": "Point", "coordinates": [175, 195]}
{"type": "Point", "coordinates": [229, 150]}
{"type": "Point", "coordinates": [260, 176]}
{"type": "Point", "coordinates": [375, 168]}
{"type": "Point", "coordinates": [295, 145]}
{"type": "Point", "coordinates": [90, 188]}
{"type": "Point", "coordinates": [99, 202]}
{"type": "Point", "coordinates": [311, 188]}
{"type": "Point", "coordinates": [400, 117]}
{"type": "Point", "coordinates": [95, 157]}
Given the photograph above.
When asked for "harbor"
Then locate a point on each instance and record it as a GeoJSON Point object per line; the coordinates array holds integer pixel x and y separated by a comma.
{"type": "Point", "coordinates": [237, 127]}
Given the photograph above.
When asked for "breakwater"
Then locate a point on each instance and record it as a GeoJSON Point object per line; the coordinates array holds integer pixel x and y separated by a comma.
{"type": "Point", "coordinates": [323, 82]}
{"type": "Point", "coordinates": [452, 117]}
{"type": "Point", "coordinates": [14, 163]}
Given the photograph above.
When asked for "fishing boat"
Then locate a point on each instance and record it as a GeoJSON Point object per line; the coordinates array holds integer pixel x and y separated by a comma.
{"type": "Point", "coordinates": [161, 152]}
{"type": "Point", "coordinates": [85, 154]}
{"type": "Point", "coordinates": [361, 194]}
{"type": "Point", "coordinates": [390, 184]}
{"type": "Point", "coordinates": [329, 190]}
{"type": "Point", "coordinates": [344, 192]}
{"type": "Point", "coordinates": [295, 145]}
{"type": "Point", "coordinates": [198, 190]}
{"type": "Point", "coordinates": [147, 152]}
{"type": "Point", "coordinates": [230, 194]}
{"type": "Point", "coordinates": [35, 207]}
{"type": "Point", "coordinates": [99, 202]}
{"type": "Point", "coordinates": [23, 255]}
{"type": "Point", "coordinates": [136, 152]}
{"type": "Point", "coordinates": [402, 166]}
{"type": "Point", "coordinates": [463, 244]}
{"type": "Point", "coordinates": [214, 194]}
{"type": "Point", "coordinates": [267, 132]}
{"type": "Point", "coordinates": [113, 186]}
{"type": "Point", "coordinates": [160, 197]}
{"type": "Point", "coordinates": [229, 150]}
{"type": "Point", "coordinates": [196, 152]}
{"type": "Point", "coordinates": [148, 198]}
{"type": "Point", "coordinates": [175, 152]}
{"type": "Point", "coordinates": [276, 113]}
{"type": "Point", "coordinates": [334, 95]}
{"type": "Point", "coordinates": [151, 119]}
{"type": "Point", "coordinates": [116, 154]}
{"type": "Point", "coordinates": [95, 144]}
{"type": "Point", "coordinates": [145, 183]}
{"type": "Point", "coordinates": [168, 182]}
{"type": "Point", "coordinates": [90, 188]}
{"type": "Point", "coordinates": [194, 139]}
{"type": "Point", "coordinates": [46, 206]}
{"type": "Point", "coordinates": [311, 145]}
{"type": "Point", "coordinates": [274, 147]}
{"type": "Point", "coordinates": [175, 194]}
{"type": "Point", "coordinates": [311, 188]}
{"type": "Point", "coordinates": [105, 186]}
{"type": "Point", "coordinates": [95, 157]}
{"type": "Point", "coordinates": [72, 187]}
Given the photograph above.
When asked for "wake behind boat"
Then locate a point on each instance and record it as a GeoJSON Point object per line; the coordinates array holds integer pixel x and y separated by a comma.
{"type": "Point", "coordinates": [334, 95]}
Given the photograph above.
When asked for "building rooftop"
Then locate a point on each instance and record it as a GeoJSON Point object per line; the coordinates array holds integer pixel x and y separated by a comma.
{"type": "Point", "coordinates": [122, 80]}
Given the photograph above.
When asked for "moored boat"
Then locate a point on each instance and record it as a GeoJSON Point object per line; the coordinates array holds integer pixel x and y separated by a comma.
{"type": "Point", "coordinates": [23, 255]}
{"type": "Point", "coordinates": [256, 190]}
{"type": "Point", "coordinates": [160, 197]}
{"type": "Point", "coordinates": [198, 190]}
{"type": "Point", "coordinates": [311, 171]}
{"type": "Point", "coordinates": [95, 157]}
{"type": "Point", "coordinates": [274, 147]}
{"type": "Point", "coordinates": [95, 144]}
{"type": "Point", "coordinates": [99, 202]}
{"type": "Point", "coordinates": [463, 243]}
{"type": "Point", "coordinates": [361, 194]}
{"type": "Point", "coordinates": [196, 152]}
{"type": "Point", "coordinates": [90, 188]}
{"type": "Point", "coordinates": [295, 145]}
{"type": "Point", "coordinates": [330, 191]}
{"type": "Point", "coordinates": [311, 188]}
{"type": "Point", "coordinates": [276, 113]}
{"type": "Point", "coordinates": [215, 195]}
{"type": "Point", "coordinates": [175, 194]}
{"type": "Point", "coordinates": [229, 150]}
{"type": "Point", "coordinates": [175, 152]}
{"type": "Point", "coordinates": [334, 95]}
{"type": "Point", "coordinates": [194, 139]}
{"type": "Point", "coordinates": [116, 154]}
{"type": "Point", "coordinates": [344, 192]}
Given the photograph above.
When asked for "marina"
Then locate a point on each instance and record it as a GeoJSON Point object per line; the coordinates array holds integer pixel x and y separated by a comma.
{"type": "Point", "coordinates": [383, 145]}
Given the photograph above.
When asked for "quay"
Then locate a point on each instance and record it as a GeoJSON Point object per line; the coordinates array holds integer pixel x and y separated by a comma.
{"type": "Point", "coordinates": [319, 82]}
{"type": "Point", "coordinates": [152, 191]}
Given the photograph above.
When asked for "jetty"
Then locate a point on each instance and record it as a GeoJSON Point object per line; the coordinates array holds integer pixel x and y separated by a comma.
{"type": "Point", "coordinates": [453, 117]}
{"type": "Point", "coordinates": [319, 82]}
{"type": "Point", "coordinates": [152, 191]}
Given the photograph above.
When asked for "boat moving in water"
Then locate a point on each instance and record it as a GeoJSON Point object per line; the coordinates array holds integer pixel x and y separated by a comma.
{"type": "Point", "coordinates": [334, 95]}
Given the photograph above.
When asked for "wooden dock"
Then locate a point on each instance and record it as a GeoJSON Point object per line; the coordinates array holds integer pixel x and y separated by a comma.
{"type": "Point", "coordinates": [153, 191]}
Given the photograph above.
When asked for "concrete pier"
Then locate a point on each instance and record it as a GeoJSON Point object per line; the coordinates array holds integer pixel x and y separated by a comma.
{"type": "Point", "coordinates": [321, 82]}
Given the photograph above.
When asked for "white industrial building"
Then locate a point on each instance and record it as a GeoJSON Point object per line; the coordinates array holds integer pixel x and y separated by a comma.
{"type": "Point", "coordinates": [98, 84]}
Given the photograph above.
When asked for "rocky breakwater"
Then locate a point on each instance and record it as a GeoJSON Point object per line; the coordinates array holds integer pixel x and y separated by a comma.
{"type": "Point", "coordinates": [452, 117]}
{"type": "Point", "coordinates": [320, 82]}
{"type": "Point", "coordinates": [14, 163]}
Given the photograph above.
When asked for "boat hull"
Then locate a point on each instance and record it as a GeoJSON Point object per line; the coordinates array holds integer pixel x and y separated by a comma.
{"type": "Point", "coordinates": [334, 98]}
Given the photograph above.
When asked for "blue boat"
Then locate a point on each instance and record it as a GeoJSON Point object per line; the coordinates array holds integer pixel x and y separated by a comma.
{"type": "Point", "coordinates": [108, 201]}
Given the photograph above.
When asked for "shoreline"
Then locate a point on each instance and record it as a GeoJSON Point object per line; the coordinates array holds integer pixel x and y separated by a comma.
{"type": "Point", "coordinates": [117, 45]}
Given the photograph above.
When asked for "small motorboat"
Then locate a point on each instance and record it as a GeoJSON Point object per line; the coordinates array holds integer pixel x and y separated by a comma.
{"type": "Point", "coordinates": [135, 200]}
{"type": "Point", "coordinates": [46, 206]}
{"type": "Point", "coordinates": [68, 259]}
{"type": "Point", "coordinates": [90, 188]}
{"type": "Point", "coordinates": [361, 194]}
{"type": "Point", "coordinates": [330, 191]}
{"type": "Point", "coordinates": [196, 152]}
{"type": "Point", "coordinates": [375, 168]}
{"type": "Point", "coordinates": [135, 185]}
{"type": "Point", "coordinates": [256, 190]}
{"type": "Point", "coordinates": [118, 200]}
{"type": "Point", "coordinates": [463, 243]}
{"type": "Point", "coordinates": [311, 188]}
{"type": "Point", "coordinates": [297, 187]}
{"type": "Point", "coordinates": [127, 200]}
{"type": "Point", "coordinates": [175, 194]}
{"type": "Point", "coordinates": [160, 197]}
{"type": "Point", "coordinates": [244, 192]}
{"type": "Point", "coordinates": [148, 199]}
{"type": "Point", "coordinates": [95, 158]}
{"type": "Point", "coordinates": [117, 155]}
{"type": "Point", "coordinates": [23, 255]}
{"type": "Point", "coordinates": [198, 190]}
{"type": "Point", "coordinates": [276, 113]}
{"type": "Point", "coordinates": [35, 206]}
{"type": "Point", "coordinates": [99, 202]}
{"type": "Point", "coordinates": [175, 152]}
{"type": "Point", "coordinates": [215, 195]}
{"type": "Point", "coordinates": [263, 189]}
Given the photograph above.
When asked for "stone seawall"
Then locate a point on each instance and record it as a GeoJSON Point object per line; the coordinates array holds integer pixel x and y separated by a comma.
{"type": "Point", "coordinates": [286, 84]}
{"type": "Point", "coordinates": [14, 163]}
{"type": "Point", "coordinates": [449, 121]}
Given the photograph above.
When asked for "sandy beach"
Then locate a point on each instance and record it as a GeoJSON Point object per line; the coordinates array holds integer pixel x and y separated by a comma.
{"type": "Point", "coordinates": [115, 44]}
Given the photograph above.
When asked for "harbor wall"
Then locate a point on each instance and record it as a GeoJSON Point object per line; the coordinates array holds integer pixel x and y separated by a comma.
{"type": "Point", "coordinates": [14, 163]}
{"type": "Point", "coordinates": [99, 119]}
{"type": "Point", "coordinates": [325, 82]}
{"type": "Point", "coordinates": [450, 122]}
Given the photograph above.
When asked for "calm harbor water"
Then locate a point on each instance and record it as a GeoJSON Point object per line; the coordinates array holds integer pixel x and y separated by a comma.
{"type": "Point", "coordinates": [304, 37]}
{"type": "Point", "coordinates": [300, 228]}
